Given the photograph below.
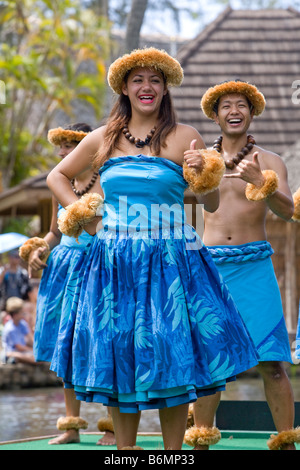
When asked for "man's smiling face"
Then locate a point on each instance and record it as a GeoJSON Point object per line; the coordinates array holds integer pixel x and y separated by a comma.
{"type": "Point", "coordinates": [234, 114]}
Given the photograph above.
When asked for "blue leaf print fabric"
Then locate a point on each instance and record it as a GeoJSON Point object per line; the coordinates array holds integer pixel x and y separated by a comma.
{"type": "Point", "coordinates": [58, 289]}
{"type": "Point", "coordinates": [258, 301]}
{"type": "Point", "coordinates": [155, 325]}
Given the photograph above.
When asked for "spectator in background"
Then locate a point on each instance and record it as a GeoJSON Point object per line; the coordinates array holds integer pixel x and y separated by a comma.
{"type": "Point", "coordinates": [17, 338]}
{"type": "Point", "coordinates": [14, 279]}
{"type": "Point", "coordinates": [30, 301]}
{"type": "Point", "coordinates": [4, 317]}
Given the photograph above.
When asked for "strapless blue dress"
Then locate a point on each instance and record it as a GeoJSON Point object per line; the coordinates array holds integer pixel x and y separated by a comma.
{"type": "Point", "coordinates": [155, 324]}
{"type": "Point", "coordinates": [58, 287]}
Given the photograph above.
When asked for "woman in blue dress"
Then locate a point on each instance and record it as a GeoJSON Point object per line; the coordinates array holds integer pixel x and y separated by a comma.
{"type": "Point", "coordinates": [155, 325]}
{"type": "Point", "coordinates": [60, 282]}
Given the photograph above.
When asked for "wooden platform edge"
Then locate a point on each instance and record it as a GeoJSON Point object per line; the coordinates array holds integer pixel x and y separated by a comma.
{"type": "Point", "coordinates": [40, 438]}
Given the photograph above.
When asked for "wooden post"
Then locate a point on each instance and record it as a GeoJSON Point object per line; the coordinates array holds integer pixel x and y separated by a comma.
{"type": "Point", "coordinates": [44, 211]}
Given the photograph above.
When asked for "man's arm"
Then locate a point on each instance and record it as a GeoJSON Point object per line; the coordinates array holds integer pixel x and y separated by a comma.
{"type": "Point", "coordinates": [281, 202]}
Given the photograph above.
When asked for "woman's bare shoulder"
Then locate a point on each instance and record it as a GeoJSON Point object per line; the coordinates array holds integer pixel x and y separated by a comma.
{"type": "Point", "coordinates": [95, 136]}
{"type": "Point", "coordinates": [187, 133]}
{"type": "Point", "coordinates": [89, 146]}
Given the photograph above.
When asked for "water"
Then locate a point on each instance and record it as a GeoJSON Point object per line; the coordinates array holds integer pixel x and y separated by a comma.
{"type": "Point", "coordinates": [33, 412]}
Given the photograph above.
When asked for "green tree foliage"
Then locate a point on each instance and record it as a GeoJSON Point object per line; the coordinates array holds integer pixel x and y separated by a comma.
{"type": "Point", "coordinates": [46, 48]}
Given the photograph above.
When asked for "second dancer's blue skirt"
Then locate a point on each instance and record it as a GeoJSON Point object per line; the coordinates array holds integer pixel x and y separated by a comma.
{"type": "Point", "coordinates": [58, 288]}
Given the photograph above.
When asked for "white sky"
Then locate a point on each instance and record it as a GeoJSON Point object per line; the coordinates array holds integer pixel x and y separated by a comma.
{"type": "Point", "coordinates": [163, 23]}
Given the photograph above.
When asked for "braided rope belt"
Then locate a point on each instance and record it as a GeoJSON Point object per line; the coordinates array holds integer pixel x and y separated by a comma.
{"type": "Point", "coordinates": [242, 253]}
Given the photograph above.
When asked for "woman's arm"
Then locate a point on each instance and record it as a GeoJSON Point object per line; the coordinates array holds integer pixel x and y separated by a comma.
{"type": "Point", "coordinates": [210, 201]}
{"type": "Point", "coordinates": [79, 160]}
{"type": "Point", "coordinates": [35, 259]}
{"type": "Point", "coordinates": [53, 236]}
{"type": "Point", "coordinates": [194, 160]}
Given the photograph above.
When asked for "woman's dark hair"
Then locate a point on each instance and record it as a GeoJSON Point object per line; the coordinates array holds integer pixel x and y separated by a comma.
{"type": "Point", "coordinates": [119, 118]}
{"type": "Point", "coordinates": [80, 127]}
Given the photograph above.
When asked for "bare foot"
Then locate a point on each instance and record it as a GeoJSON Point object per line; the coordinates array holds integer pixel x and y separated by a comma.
{"type": "Point", "coordinates": [201, 448]}
{"type": "Point", "coordinates": [69, 437]}
{"type": "Point", "coordinates": [288, 447]}
{"type": "Point", "coordinates": [107, 440]}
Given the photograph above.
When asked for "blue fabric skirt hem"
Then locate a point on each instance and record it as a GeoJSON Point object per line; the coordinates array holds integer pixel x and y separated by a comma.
{"type": "Point", "coordinates": [140, 401]}
{"type": "Point", "coordinates": [158, 403]}
{"type": "Point", "coordinates": [267, 348]}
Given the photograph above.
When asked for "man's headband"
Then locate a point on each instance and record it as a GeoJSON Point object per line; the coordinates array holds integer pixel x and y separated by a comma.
{"type": "Point", "coordinates": [212, 95]}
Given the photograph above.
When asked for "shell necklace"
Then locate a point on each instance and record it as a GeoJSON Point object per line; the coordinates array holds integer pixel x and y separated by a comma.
{"type": "Point", "coordinates": [230, 164]}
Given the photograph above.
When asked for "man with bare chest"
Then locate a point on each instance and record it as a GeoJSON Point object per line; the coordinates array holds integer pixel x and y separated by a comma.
{"type": "Point", "coordinates": [255, 181]}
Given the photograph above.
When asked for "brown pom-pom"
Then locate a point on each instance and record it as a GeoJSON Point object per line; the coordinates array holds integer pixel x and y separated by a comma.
{"type": "Point", "coordinates": [270, 186]}
{"type": "Point", "coordinates": [31, 245]}
{"type": "Point", "coordinates": [292, 436]}
{"type": "Point", "coordinates": [71, 422]}
{"type": "Point", "coordinates": [208, 179]}
{"type": "Point", "coordinates": [296, 198]}
{"type": "Point", "coordinates": [105, 424]}
{"type": "Point", "coordinates": [80, 213]}
{"type": "Point", "coordinates": [202, 436]}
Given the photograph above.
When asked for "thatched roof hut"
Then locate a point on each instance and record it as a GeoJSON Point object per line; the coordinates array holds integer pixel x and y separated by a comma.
{"type": "Point", "coordinates": [258, 46]}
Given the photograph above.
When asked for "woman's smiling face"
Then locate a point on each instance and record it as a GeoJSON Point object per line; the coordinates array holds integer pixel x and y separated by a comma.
{"type": "Point", "coordinates": [145, 88]}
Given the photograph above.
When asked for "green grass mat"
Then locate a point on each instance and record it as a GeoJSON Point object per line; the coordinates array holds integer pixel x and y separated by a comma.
{"type": "Point", "coordinates": [231, 440]}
